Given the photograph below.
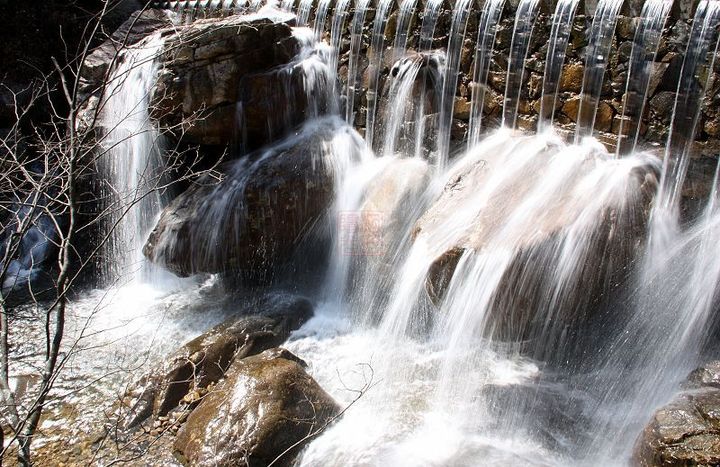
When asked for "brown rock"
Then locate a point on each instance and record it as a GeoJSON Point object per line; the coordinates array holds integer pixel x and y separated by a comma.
{"type": "Point", "coordinates": [202, 362]}
{"type": "Point", "coordinates": [461, 109]}
{"type": "Point", "coordinates": [266, 405]}
{"type": "Point", "coordinates": [604, 117]}
{"type": "Point", "coordinates": [571, 108]}
{"type": "Point", "coordinates": [139, 25]}
{"type": "Point", "coordinates": [571, 78]}
{"type": "Point", "coordinates": [210, 65]}
{"type": "Point", "coordinates": [684, 432]}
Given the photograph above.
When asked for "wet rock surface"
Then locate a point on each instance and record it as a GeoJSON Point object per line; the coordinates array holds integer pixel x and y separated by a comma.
{"type": "Point", "coordinates": [252, 221]}
{"type": "Point", "coordinates": [140, 24]}
{"type": "Point", "coordinates": [687, 430]}
{"type": "Point", "coordinates": [188, 374]}
{"type": "Point", "coordinates": [211, 65]}
{"type": "Point", "coordinates": [538, 236]}
{"type": "Point", "coordinates": [266, 409]}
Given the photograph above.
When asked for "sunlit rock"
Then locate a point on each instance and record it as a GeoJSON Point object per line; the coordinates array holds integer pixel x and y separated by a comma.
{"type": "Point", "coordinates": [687, 430]}
{"type": "Point", "coordinates": [202, 362]}
{"type": "Point", "coordinates": [267, 408]}
{"type": "Point", "coordinates": [210, 66]}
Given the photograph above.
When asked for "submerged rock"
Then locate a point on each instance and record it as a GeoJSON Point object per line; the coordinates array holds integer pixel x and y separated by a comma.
{"type": "Point", "coordinates": [267, 408]}
{"type": "Point", "coordinates": [687, 430]}
{"type": "Point", "coordinates": [389, 203]}
{"type": "Point", "coordinates": [202, 362]}
{"type": "Point", "coordinates": [266, 205]}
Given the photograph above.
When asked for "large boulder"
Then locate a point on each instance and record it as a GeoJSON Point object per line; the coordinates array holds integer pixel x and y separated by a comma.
{"type": "Point", "coordinates": [228, 77]}
{"type": "Point", "coordinates": [202, 362]}
{"type": "Point", "coordinates": [141, 24]}
{"type": "Point", "coordinates": [267, 203]}
{"type": "Point", "coordinates": [687, 430]}
{"type": "Point", "coordinates": [552, 219]}
{"type": "Point", "coordinates": [267, 408]}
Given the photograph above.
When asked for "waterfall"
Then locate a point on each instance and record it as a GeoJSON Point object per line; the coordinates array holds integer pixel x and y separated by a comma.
{"type": "Point", "coordinates": [320, 16]}
{"type": "Point", "coordinates": [487, 29]}
{"type": "Point", "coordinates": [427, 32]}
{"type": "Point", "coordinates": [356, 28]}
{"type": "Point", "coordinates": [596, 59]}
{"type": "Point", "coordinates": [529, 301]}
{"type": "Point", "coordinates": [338, 21]}
{"type": "Point", "coordinates": [645, 44]}
{"type": "Point", "coordinates": [404, 74]}
{"type": "Point", "coordinates": [676, 286]}
{"type": "Point", "coordinates": [377, 48]}
{"type": "Point", "coordinates": [313, 71]}
{"type": "Point", "coordinates": [693, 81]}
{"type": "Point", "coordinates": [131, 164]}
{"type": "Point", "coordinates": [522, 31]}
{"type": "Point", "coordinates": [407, 8]}
{"type": "Point", "coordinates": [559, 35]}
{"type": "Point", "coordinates": [450, 79]}
{"type": "Point", "coordinates": [303, 13]}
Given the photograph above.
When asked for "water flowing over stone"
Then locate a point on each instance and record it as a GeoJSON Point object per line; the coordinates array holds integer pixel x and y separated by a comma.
{"type": "Point", "coordinates": [524, 23]}
{"type": "Point", "coordinates": [132, 161]}
{"type": "Point", "coordinates": [376, 52]}
{"type": "Point", "coordinates": [408, 98]}
{"type": "Point", "coordinates": [450, 79]}
{"type": "Point", "coordinates": [211, 66]}
{"type": "Point", "coordinates": [407, 8]}
{"type": "Point", "coordinates": [703, 39]}
{"type": "Point", "coordinates": [265, 205]}
{"type": "Point", "coordinates": [487, 30]}
{"type": "Point", "coordinates": [601, 36]}
{"type": "Point", "coordinates": [645, 45]}
{"type": "Point", "coordinates": [559, 36]}
{"type": "Point", "coordinates": [519, 298]}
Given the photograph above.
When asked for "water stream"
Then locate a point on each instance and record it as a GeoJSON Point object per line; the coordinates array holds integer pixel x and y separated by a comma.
{"type": "Point", "coordinates": [529, 301]}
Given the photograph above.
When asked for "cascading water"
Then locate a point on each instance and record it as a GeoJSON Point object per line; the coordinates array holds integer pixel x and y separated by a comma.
{"type": "Point", "coordinates": [405, 76]}
{"type": "Point", "coordinates": [356, 28]}
{"type": "Point", "coordinates": [407, 8]}
{"type": "Point", "coordinates": [601, 36]}
{"type": "Point", "coordinates": [132, 162]}
{"type": "Point", "coordinates": [338, 22]}
{"type": "Point", "coordinates": [483, 54]}
{"type": "Point", "coordinates": [676, 286]}
{"type": "Point", "coordinates": [502, 303]}
{"type": "Point", "coordinates": [450, 79]}
{"type": "Point", "coordinates": [524, 23]}
{"type": "Point", "coordinates": [320, 17]}
{"type": "Point", "coordinates": [559, 36]}
{"type": "Point", "coordinates": [427, 33]}
{"type": "Point", "coordinates": [427, 30]}
{"type": "Point", "coordinates": [303, 14]}
{"type": "Point", "coordinates": [377, 49]}
{"type": "Point", "coordinates": [645, 44]}
{"type": "Point", "coordinates": [703, 39]}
